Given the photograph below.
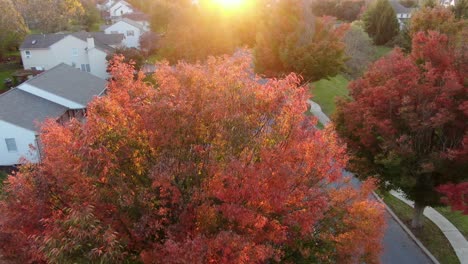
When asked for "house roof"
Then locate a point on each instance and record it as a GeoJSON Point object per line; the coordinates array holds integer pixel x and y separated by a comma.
{"type": "Point", "coordinates": [132, 23]}
{"type": "Point", "coordinates": [70, 83]}
{"type": "Point", "coordinates": [43, 41]}
{"type": "Point", "coordinates": [137, 16]}
{"type": "Point", "coordinates": [101, 40]}
{"type": "Point", "coordinates": [399, 8]}
{"type": "Point", "coordinates": [25, 110]}
{"type": "Point", "coordinates": [121, 1]}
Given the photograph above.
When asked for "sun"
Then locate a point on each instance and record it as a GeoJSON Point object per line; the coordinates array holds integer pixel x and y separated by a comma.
{"type": "Point", "coordinates": [230, 4]}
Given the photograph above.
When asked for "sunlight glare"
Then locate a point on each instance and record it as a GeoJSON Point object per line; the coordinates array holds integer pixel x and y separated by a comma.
{"type": "Point", "coordinates": [230, 4]}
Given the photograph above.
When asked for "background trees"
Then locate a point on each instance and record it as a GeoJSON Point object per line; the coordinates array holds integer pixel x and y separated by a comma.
{"type": "Point", "coordinates": [345, 10]}
{"type": "Point", "coordinates": [49, 16]}
{"type": "Point", "coordinates": [13, 28]}
{"type": "Point", "coordinates": [380, 22]}
{"type": "Point", "coordinates": [407, 122]}
{"type": "Point", "coordinates": [359, 50]}
{"type": "Point", "coordinates": [209, 167]}
{"type": "Point", "coordinates": [291, 40]}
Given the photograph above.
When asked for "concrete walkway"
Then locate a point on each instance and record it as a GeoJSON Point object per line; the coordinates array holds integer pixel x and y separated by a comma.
{"type": "Point", "coordinates": [316, 110]}
{"type": "Point", "coordinates": [399, 246]}
{"type": "Point", "coordinates": [453, 235]}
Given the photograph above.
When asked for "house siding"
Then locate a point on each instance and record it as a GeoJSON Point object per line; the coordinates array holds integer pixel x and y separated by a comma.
{"type": "Point", "coordinates": [70, 50]}
{"type": "Point", "coordinates": [23, 138]}
{"type": "Point", "coordinates": [122, 28]}
{"type": "Point", "coordinates": [119, 9]}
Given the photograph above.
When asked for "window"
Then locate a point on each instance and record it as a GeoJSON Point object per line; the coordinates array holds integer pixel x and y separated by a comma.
{"type": "Point", "coordinates": [11, 144]}
{"type": "Point", "coordinates": [130, 33]}
{"type": "Point", "coordinates": [28, 54]}
{"type": "Point", "coordinates": [74, 52]}
{"type": "Point", "coordinates": [85, 67]}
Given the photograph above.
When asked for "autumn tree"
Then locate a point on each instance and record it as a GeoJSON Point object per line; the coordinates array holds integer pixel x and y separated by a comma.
{"type": "Point", "coordinates": [13, 28]}
{"type": "Point", "coordinates": [294, 40]}
{"type": "Point", "coordinates": [438, 19]}
{"type": "Point", "coordinates": [455, 195]}
{"type": "Point", "coordinates": [381, 22]}
{"type": "Point", "coordinates": [407, 123]}
{"type": "Point", "coordinates": [49, 16]}
{"type": "Point", "coordinates": [344, 10]}
{"type": "Point", "coordinates": [210, 166]}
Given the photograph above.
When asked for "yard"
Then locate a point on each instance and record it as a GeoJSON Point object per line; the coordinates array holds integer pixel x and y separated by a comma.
{"type": "Point", "coordinates": [6, 69]}
{"type": "Point", "coordinates": [325, 91]}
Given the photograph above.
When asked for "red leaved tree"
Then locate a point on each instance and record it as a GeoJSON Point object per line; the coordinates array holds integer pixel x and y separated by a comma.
{"type": "Point", "coordinates": [407, 122]}
{"type": "Point", "coordinates": [209, 166]}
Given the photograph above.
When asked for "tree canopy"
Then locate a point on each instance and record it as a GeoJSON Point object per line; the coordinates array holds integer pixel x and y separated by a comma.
{"type": "Point", "coordinates": [293, 40]}
{"type": "Point", "coordinates": [208, 166]}
{"type": "Point", "coordinates": [381, 22]}
{"type": "Point", "coordinates": [13, 28]}
{"type": "Point", "coordinates": [407, 122]}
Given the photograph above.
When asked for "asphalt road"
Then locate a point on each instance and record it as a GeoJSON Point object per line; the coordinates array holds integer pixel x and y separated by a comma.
{"type": "Point", "coordinates": [398, 246]}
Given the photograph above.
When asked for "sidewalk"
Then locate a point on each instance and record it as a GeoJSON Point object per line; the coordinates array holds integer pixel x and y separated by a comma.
{"type": "Point", "coordinates": [453, 235]}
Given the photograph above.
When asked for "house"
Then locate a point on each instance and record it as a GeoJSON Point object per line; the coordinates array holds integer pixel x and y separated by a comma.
{"type": "Point", "coordinates": [119, 8]}
{"type": "Point", "coordinates": [130, 29]}
{"type": "Point", "coordinates": [61, 93]}
{"type": "Point", "coordinates": [403, 13]}
{"type": "Point", "coordinates": [82, 50]}
{"type": "Point", "coordinates": [139, 17]}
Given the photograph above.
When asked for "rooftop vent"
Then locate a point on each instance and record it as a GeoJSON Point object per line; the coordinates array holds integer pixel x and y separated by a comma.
{"type": "Point", "coordinates": [34, 42]}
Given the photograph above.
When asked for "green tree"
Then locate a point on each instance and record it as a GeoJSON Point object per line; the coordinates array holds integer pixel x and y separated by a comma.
{"type": "Point", "coordinates": [13, 28]}
{"type": "Point", "coordinates": [381, 22]}
{"type": "Point", "coordinates": [293, 40]}
{"type": "Point", "coordinates": [461, 9]}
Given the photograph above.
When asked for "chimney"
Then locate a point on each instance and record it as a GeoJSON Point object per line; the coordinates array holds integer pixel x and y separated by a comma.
{"type": "Point", "coordinates": [90, 41]}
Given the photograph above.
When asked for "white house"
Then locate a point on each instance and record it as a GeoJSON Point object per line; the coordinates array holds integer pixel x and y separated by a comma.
{"type": "Point", "coordinates": [403, 13]}
{"type": "Point", "coordinates": [131, 29]}
{"type": "Point", "coordinates": [140, 18]}
{"type": "Point", "coordinates": [61, 93]}
{"type": "Point", "coordinates": [82, 50]}
{"type": "Point", "coordinates": [120, 8]}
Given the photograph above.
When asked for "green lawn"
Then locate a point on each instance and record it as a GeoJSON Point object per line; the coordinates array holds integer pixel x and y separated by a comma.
{"type": "Point", "coordinates": [325, 91]}
{"type": "Point", "coordinates": [430, 235]}
{"type": "Point", "coordinates": [459, 220]}
{"type": "Point", "coordinates": [381, 51]}
{"type": "Point", "coordinates": [3, 76]}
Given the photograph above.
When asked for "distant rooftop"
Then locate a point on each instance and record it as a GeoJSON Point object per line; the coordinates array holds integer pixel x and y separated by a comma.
{"type": "Point", "coordinates": [43, 41]}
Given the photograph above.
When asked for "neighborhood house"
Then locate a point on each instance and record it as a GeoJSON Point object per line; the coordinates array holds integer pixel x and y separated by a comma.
{"type": "Point", "coordinates": [61, 93]}
{"type": "Point", "coordinates": [131, 29]}
{"type": "Point", "coordinates": [82, 50]}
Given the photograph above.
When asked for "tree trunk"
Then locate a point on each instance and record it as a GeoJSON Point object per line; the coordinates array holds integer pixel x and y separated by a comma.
{"type": "Point", "coordinates": [418, 216]}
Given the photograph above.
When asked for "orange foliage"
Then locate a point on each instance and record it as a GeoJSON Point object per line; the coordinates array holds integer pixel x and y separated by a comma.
{"type": "Point", "coordinates": [209, 166]}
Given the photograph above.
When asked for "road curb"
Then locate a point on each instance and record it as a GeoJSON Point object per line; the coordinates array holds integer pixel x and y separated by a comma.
{"type": "Point", "coordinates": [406, 229]}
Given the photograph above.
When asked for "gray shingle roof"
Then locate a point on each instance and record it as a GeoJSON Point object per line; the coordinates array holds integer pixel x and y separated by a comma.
{"type": "Point", "coordinates": [101, 40]}
{"type": "Point", "coordinates": [41, 41]}
{"type": "Point", "coordinates": [26, 110]}
{"type": "Point", "coordinates": [70, 83]}
{"type": "Point", "coordinates": [399, 8]}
